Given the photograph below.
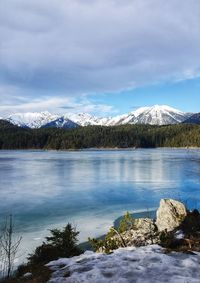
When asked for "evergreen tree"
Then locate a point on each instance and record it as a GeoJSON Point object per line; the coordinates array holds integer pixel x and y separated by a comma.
{"type": "Point", "coordinates": [61, 243]}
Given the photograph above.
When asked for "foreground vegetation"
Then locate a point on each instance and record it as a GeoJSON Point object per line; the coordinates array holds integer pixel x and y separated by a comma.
{"type": "Point", "coordinates": [115, 238]}
{"type": "Point", "coordinates": [62, 243]}
{"type": "Point", "coordinates": [138, 136]}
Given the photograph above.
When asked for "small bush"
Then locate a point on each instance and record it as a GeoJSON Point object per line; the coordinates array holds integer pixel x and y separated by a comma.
{"type": "Point", "coordinates": [111, 242]}
{"type": "Point", "coordinates": [191, 224]}
{"type": "Point", "coordinates": [61, 243]}
{"type": "Point", "coordinates": [126, 223]}
{"type": "Point", "coordinates": [106, 245]}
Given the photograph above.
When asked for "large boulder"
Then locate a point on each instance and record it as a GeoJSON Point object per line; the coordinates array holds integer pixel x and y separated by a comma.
{"type": "Point", "coordinates": [170, 214]}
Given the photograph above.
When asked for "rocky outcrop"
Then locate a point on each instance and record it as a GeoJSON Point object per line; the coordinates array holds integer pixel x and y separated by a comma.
{"type": "Point", "coordinates": [170, 215]}
{"type": "Point", "coordinates": [143, 233]}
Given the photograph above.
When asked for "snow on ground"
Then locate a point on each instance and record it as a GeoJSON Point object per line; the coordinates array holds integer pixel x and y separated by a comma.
{"type": "Point", "coordinates": [128, 265]}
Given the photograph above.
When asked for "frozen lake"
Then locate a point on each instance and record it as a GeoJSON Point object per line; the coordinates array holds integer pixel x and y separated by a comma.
{"type": "Point", "coordinates": [47, 189]}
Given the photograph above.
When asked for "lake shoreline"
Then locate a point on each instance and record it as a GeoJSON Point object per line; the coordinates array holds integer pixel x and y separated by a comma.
{"type": "Point", "coordinates": [99, 149]}
{"type": "Point", "coordinates": [151, 214]}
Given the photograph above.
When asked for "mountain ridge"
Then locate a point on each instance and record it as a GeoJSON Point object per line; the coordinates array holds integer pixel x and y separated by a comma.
{"type": "Point", "coordinates": [194, 119]}
{"type": "Point", "coordinates": [152, 115]}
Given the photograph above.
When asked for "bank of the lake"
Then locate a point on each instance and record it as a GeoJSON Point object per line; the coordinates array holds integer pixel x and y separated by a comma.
{"type": "Point", "coordinates": [124, 136]}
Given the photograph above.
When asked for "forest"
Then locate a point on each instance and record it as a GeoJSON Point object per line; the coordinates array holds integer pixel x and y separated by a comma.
{"type": "Point", "coordinates": [126, 136]}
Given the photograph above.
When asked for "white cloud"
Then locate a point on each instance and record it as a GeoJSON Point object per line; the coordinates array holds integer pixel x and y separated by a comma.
{"type": "Point", "coordinates": [90, 46]}
{"type": "Point", "coordinates": [56, 105]}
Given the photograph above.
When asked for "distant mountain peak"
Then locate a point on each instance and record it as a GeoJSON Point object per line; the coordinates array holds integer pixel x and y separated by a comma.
{"type": "Point", "coordinates": [61, 122]}
{"type": "Point", "coordinates": [194, 119]}
{"type": "Point", "coordinates": [157, 107]}
{"type": "Point", "coordinates": [32, 119]}
{"type": "Point", "coordinates": [153, 115]}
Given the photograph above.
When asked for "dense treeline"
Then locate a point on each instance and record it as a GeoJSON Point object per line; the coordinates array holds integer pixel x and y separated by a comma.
{"type": "Point", "coordinates": [181, 135]}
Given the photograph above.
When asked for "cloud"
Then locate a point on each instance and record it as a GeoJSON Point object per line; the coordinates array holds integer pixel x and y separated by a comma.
{"type": "Point", "coordinates": [74, 47]}
{"type": "Point", "coordinates": [12, 104]}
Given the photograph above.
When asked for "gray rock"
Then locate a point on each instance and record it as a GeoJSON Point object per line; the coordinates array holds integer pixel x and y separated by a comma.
{"type": "Point", "coordinates": [27, 275]}
{"type": "Point", "coordinates": [170, 214]}
{"type": "Point", "coordinates": [144, 232]}
{"type": "Point", "coordinates": [146, 225]}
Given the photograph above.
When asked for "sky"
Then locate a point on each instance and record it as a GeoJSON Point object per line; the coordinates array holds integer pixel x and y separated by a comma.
{"type": "Point", "coordinates": [104, 57]}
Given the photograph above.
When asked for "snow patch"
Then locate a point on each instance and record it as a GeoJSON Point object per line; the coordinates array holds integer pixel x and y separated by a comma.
{"type": "Point", "coordinates": [128, 265]}
{"type": "Point", "coordinates": [179, 235]}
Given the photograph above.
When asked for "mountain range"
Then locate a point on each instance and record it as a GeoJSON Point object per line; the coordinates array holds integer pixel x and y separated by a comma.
{"type": "Point", "coordinates": [153, 115]}
{"type": "Point", "coordinates": [194, 119]}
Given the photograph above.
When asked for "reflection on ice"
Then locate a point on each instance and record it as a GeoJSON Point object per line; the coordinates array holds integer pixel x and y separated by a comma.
{"type": "Point", "coordinates": [46, 189]}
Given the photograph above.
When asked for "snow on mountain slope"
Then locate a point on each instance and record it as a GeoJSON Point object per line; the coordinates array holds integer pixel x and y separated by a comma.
{"type": "Point", "coordinates": [194, 119]}
{"type": "Point", "coordinates": [148, 264]}
{"type": "Point", "coordinates": [32, 120]}
{"type": "Point", "coordinates": [117, 120]}
{"type": "Point", "coordinates": [61, 123]}
{"type": "Point", "coordinates": [154, 115]}
{"type": "Point", "coordinates": [83, 119]}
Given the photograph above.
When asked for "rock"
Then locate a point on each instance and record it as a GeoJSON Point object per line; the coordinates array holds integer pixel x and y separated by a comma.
{"type": "Point", "coordinates": [170, 214]}
{"type": "Point", "coordinates": [143, 233]}
{"type": "Point", "coordinates": [145, 225]}
{"type": "Point", "coordinates": [27, 275]}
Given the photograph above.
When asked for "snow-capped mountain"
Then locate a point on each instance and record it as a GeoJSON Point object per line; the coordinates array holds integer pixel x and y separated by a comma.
{"type": "Point", "coordinates": [32, 120]}
{"type": "Point", "coordinates": [84, 119]}
{"type": "Point", "coordinates": [154, 115]}
{"type": "Point", "coordinates": [61, 122]}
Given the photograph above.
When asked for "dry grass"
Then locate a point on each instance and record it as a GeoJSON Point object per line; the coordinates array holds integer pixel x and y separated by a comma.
{"type": "Point", "coordinates": [40, 275]}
